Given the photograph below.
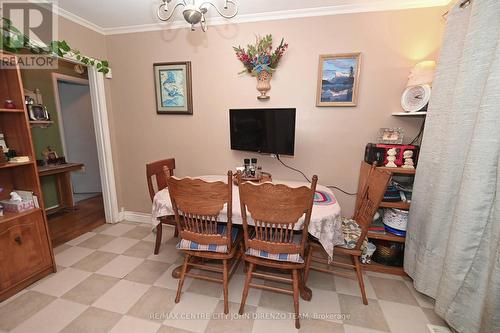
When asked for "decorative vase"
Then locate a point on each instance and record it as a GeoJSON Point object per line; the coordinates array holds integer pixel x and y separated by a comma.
{"type": "Point", "coordinates": [263, 84]}
{"type": "Point", "coordinates": [9, 104]}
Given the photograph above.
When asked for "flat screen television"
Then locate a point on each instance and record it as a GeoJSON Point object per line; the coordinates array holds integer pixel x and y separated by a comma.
{"type": "Point", "coordinates": [268, 131]}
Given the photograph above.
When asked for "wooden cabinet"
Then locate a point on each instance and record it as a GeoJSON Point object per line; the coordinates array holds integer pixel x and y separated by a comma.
{"type": "Point", "coordinates": [25, 248]}
{"type": "Point", "coordinates": [373, 266]}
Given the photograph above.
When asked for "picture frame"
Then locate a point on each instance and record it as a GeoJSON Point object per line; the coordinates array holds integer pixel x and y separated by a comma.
{"type": "Point", "coordinates": [38, 112]}
{"type": "Point", "coordinates": [173, 87]}
{"type": "Point", "coordinates": [338, 79]}
{"type": "Point", "coordinates": [391, 135]}
{"type": "Point", "coordinates": [34, 94]}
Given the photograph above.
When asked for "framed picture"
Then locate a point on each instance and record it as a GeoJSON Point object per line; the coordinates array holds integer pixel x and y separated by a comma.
{"type": "Point", "coordinates": [34, 94]}
{"type": "Point", "coordinates": [338, 79]}
{"type": "Point", "coordinates": [391, 135]}
{"type": "Point", "coordinates": [38, 112]}
{"type": "Point", "coordinates": [173, 87]}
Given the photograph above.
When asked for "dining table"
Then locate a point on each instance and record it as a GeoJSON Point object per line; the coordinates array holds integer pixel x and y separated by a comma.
{"type": "Point", "coordinates": [325, 224]}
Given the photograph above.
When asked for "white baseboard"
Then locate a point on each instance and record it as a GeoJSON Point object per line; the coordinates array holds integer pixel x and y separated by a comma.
{"type": "Point", "coordinates": [138, 217]}
{"type": "Point", "coordinates": [135, 217]}
{"type": "Point", "coordinates": [438, 329]}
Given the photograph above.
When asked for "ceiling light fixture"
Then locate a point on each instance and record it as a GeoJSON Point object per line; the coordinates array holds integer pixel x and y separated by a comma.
{"type": "Point", "coordinates": [195, 14]}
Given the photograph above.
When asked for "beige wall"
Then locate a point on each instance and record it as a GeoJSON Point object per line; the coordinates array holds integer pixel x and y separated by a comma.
{"type": "Point", "coordinates": [89, 42]}
{"type": "Point", "coordinates": [92, 44]}
{"type": "Point", "coordinates": [329, 141]}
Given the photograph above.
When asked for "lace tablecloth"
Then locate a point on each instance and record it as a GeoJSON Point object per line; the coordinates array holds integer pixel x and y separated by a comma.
{"type": "Point", "coordinates": [325, 225]}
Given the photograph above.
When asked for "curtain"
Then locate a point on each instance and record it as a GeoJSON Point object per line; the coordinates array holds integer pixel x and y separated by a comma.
{"type": "Point", "coordinates": [453, 236]}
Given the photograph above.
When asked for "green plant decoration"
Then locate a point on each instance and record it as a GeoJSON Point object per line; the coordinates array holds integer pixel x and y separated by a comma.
{"type": "Point", "coordinates": [15, 41]}
{"type": "Point", "coordinates": [260, 56]}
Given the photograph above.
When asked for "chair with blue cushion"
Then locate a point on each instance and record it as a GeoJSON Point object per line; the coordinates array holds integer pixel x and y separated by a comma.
{"type": "Point", "coordinates": [198, 206]}
{"type": "Point", "coordinates": [271, 213]}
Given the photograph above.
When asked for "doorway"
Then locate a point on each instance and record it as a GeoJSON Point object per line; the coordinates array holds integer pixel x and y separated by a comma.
{"type": "Point", "coordinates": [78, 135]}
{"type": "Point", "coordinates": [75, 115]}
{"type": "Point", "coordinates": [102, 209]}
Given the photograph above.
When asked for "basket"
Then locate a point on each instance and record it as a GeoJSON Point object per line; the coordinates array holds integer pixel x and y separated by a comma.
{"type": "Point", "coordinates": [389, 253]}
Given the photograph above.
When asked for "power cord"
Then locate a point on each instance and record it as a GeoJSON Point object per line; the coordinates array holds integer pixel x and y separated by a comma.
{"type": "Point", "coordinates": [304, 175]}
{"type": "Point", "coordinates": [419, 136]}
{"type": "Point", "coordinates": [289, 167]}
{"type": "Point", "coordinates": [341, 190]}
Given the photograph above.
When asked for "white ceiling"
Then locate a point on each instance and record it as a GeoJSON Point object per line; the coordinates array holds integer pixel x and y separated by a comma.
{"type": "Point", "coordinates": [118, 16]}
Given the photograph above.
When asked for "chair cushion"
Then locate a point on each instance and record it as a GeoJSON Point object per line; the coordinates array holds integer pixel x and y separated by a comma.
{"type": "Point", "coordinates": [185, 244]}
{"type": "Point", "coordinates": [290, 257]}
{"type": "Point", "coordinates": [352, 232]}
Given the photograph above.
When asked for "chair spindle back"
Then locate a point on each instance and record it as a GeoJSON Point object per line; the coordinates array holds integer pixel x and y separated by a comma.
{"type": "Point", "coordinates": [197, 205]}
{"type": "Point", "coordinates": [370, 198]}
{"type": "Point", "coordinates": [275, 209]}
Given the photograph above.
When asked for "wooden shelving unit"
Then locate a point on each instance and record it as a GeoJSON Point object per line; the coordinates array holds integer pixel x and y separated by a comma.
{"type": "Point", "coordinates": [410, 114]}
{"type": "Point", "coordinates": [397, 204]}
{"type": "Point", "coordinates": [41, 123]}
{"type": "Point", "coordinates": [12, 110]}
{"type": "Point", "coordinates": [386, 236]}
{"type": "Point", "coordinates": [373, 266]}
{"type": "Point", "coordinates": [25, 247]}
{"type": "Point", "coordinates": [8, 216]}
{"type": "Point", "coordinates": [401, 171]}
{"type": "Point", "coordinates": [14, 165]}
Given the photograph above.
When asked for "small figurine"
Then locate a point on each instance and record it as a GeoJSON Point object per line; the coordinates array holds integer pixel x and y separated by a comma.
{"type": "Point", "coordinates": [408, 156]}
{"type": "Point", "coordinates": [391, 157]}
{"type": "Point", "coordinates": [49, 155]}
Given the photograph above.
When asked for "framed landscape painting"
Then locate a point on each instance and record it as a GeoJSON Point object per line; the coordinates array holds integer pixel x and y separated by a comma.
{"type": "Point", "coordinates": [173, 87]}
{"type": "Point", "coordinates": [338, 79]}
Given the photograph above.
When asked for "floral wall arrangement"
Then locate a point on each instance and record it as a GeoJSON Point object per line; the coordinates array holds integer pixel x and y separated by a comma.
{"type": "Point", "coordinates": [261, 61]}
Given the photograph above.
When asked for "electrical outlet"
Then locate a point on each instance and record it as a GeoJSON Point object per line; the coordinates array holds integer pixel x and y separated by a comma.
{"type": "Point", "coordinates": [273, 156]}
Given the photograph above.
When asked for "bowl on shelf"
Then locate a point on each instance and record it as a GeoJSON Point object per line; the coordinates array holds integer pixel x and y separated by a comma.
{"type": "Point", "coordinates": [395, 231]}
{"type": "Point", "coordinates": [395, 221]}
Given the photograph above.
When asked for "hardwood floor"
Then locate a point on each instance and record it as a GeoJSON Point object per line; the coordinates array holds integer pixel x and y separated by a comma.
{"type": "Point", "coordinates": [67, 225]}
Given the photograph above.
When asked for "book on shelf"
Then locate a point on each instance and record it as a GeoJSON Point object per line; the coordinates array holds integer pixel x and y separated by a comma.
{"type": "Point", "coordinates": [19, 159]}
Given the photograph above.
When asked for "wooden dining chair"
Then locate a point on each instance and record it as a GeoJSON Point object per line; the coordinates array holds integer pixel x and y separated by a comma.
{"type": "Point", "coordinates": [274, 211]}
{"type": "Point", "coordinates": [197, 206]}
{"type": "Point", "coordinates": [371, 189]}
{"type": "Point", "coordinates": [156, 176]}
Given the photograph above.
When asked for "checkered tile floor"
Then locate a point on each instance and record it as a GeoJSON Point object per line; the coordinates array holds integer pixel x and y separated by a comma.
{"type": "Point", "coordinates": [108, 280]}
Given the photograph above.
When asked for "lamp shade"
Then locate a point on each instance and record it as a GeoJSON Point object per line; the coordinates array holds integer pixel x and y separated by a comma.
{"type": "Point", "coordinates": [422, 73]}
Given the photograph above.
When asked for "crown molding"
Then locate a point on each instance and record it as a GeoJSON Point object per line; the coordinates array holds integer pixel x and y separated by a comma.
{"type": "Point", "coordinates": [79, 20]}
{"type": "Point", "coordinates": [374, 6]}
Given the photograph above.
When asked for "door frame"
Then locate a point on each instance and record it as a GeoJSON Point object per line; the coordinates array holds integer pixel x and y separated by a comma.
{"type": "Point", "coordinates": [56, 78]}
{"type": "Point", "coordinates": [102, 133]}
